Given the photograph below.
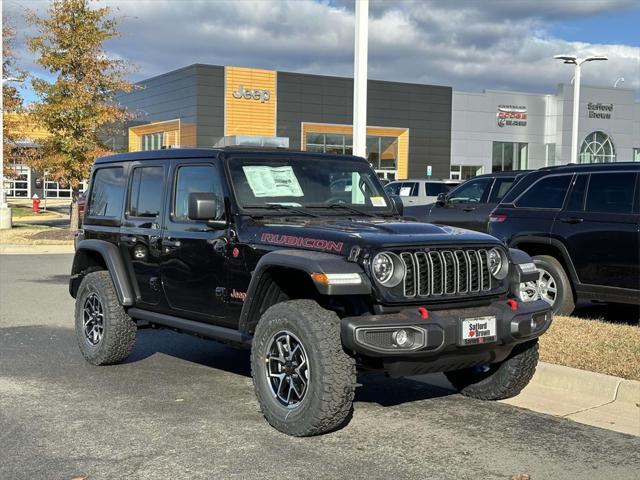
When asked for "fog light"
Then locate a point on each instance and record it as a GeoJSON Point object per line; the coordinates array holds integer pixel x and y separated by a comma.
{"type": "Point", "coordinates": [401, 338]}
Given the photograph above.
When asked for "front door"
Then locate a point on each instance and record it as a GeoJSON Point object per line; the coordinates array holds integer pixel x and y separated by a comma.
{"type": "Point", "coordinates": [600, 229]}
{"type": "Point", "coordinates": [194, 255]}
{"type": "Point", "coordinates": [461, 208]}
{"type": "Point", "coordinates": [141, 230]}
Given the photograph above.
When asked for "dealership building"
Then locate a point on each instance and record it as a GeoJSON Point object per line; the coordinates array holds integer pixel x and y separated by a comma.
{"type": "Point", "coordinates": [410, 127]}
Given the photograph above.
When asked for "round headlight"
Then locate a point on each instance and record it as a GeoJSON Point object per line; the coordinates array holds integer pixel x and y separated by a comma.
{"type": "Point", "coordinates": [387, 269]}
{"type": "Point", "coordinates": [498, 263]}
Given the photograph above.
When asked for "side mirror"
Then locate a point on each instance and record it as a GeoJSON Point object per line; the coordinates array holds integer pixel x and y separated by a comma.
{"type": "Point", "coordinates": [397, 204]}
{"type": "Point", "coordinates": [441, 200]}
{"type": "Point", "coordinates": [204, 206]}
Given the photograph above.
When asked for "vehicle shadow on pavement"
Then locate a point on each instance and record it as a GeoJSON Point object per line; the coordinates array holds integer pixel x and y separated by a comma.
{"type": "Point", "coordinates": [190, 348]}
{"type": "Point", "coordinates": [375, 388]}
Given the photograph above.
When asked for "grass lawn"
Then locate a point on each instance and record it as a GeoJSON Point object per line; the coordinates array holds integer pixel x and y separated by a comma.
{"type": "Point", "coordinates": [21, 211]}
{"type": "Point", "coordinates": [604, 347]}
{"type": "Point", "coordinates": [35, 235]}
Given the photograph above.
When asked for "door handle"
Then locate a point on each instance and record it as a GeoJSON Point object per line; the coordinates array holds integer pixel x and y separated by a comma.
{"type": "Point", "coordinates": [572, 220]}
{"type": "Point", "coordinates": [170, 243]}
{"type": "Point", "coordinates": [469, 209]}
{"type": "Point", "coordinates": [129, 239]}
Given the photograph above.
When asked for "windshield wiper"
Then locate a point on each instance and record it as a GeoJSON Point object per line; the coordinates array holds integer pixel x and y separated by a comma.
{"type": "Point", "coordinates": [279, 206]}
{"type": "Point", "coordinates": [343, 206]}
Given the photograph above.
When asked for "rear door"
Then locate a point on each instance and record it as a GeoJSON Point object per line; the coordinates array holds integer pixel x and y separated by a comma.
{"type": "Point", "coordinates": [463, 201]}
{"type": "Point", "coordinates": [599, 226]}
{"type": "Point", "coordinates": [194, 255]}
{"type": "Point", "coordinates": [141, 229]}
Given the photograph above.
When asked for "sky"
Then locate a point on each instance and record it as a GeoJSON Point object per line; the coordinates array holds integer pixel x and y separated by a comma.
{"type": "Point", "coordinates": [470, 45]}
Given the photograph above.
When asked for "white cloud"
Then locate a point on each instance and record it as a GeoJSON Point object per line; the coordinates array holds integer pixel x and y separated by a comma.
{"type": "Point", "coordinates": [470, 45]}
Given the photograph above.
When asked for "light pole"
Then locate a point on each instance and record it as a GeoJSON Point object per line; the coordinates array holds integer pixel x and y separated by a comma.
{"type": "Point", "coordinates": [573, 60]}
{"type": "Point", "coordinates": [360, 79]}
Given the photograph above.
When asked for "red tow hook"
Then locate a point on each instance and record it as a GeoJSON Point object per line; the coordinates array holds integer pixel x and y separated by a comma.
{"type": "Point", "coordinates": [513, 304]}
{"type": "Point", "coordinates": [424, 314]}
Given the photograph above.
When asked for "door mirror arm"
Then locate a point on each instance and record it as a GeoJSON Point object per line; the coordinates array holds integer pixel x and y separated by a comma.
{"type": "Point", "coordinates": [442, 199]}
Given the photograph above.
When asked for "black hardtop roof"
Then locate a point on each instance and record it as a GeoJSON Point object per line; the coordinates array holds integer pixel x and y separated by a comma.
{"type": "Point", "coordinates": [592, 167]}
{"type": "Point", "coordinates": [205, 152]}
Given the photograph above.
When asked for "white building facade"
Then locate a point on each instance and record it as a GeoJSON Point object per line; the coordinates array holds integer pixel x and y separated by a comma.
{"type": "Point", "coordinates": [501, 130]}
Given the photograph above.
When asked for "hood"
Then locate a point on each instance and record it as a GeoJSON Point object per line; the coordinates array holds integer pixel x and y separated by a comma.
{"type": "Point", "coordinates": [339, 234]}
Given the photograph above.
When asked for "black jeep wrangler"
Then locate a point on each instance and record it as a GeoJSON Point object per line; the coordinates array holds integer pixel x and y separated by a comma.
{"type": "Point", "coordinates": [305, 260]}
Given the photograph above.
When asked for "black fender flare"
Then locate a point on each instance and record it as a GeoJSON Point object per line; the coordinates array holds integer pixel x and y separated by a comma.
{"type": "Point", "coordinates": [518, 274]}
{"type": "Point", "coordinates": [550, 242]}
{"type": "Point", "coordinates": [112, 259]}
{"type": "Point", "coordinates": [308, 262]}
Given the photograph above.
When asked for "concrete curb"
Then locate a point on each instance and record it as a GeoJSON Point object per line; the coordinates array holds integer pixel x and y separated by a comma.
{"type": "Point", "coordinates": [39, 218]}
{"type": "Point", "coordinates": [35, 249]}
{"type": "Point", "coordinates": [586, 397]}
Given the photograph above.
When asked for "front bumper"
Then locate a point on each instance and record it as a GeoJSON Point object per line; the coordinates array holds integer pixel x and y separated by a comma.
{"type": "Point", "coordinates": [437, 346]}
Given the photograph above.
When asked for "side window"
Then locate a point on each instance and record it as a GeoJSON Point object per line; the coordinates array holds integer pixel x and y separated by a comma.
{"type": "Point", "coordinates": [500, 188]}
{"type": "Point", "coordinates": [576, 199]}
{"type": "Point", "coordinates": [392, 188]}
{"type": "Point", "coordinates": [195, 179]}
{"type": "Point", "coordinates": [434, 189]}
{"type": "Point", "coordinates": [107, 193]}
{"type": "Point", "coordinates": [145, 198]}
{"type": "Point", "coordinates": [471, 191]}
{"type": "Point", "coordinates": [548, 192]}
{"type": "Point", "coordinates": [610, 192]}
{"type": "Point", "coordinates": [409, 189]}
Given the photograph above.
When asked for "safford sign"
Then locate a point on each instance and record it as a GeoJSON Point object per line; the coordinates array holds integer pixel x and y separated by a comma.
{"type": "Point", "coordinates": [512, 116]}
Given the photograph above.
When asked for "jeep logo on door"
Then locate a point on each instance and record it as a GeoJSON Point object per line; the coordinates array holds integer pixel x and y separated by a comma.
{"type": "Point", "coordinates": [262, 95]}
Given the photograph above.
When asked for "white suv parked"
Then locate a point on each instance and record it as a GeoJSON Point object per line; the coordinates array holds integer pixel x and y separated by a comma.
{"type": "Point", "coordinates": [419, 191]}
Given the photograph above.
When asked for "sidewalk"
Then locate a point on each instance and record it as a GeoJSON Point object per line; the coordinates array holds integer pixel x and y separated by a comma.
{"type": "Point", "coordinates": [35, 249]}
{"type": "Point", "coordinates": [586, 397]}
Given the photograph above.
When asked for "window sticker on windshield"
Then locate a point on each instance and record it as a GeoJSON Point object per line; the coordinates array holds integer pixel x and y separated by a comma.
{"type": "Point", "coordinates": [378, 202]}
{"type": "Point", "coordinates": [405, 191]}
{"type": "Point", "coordinates": [266, 181]}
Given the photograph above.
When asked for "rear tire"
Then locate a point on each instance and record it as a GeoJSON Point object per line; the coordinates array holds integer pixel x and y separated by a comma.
{"type": "Point", "coordinates": [563, 302]}
{"type": "Point", "coordinates": [501, 380]}
{"type": "Point", "coordinates": [104, 331]}
{"type": "Point", "coordinates": [324, 388]}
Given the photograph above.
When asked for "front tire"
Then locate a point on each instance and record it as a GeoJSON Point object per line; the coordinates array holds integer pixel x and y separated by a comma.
{"type": "Point", "coordinates": [303, 379]}
{"type": "Point", "coordinates": [501, 380]}
{"type": "Point", "coordinates": [104, 331]}
{"type": "Point", "coordinates": [555, 285]}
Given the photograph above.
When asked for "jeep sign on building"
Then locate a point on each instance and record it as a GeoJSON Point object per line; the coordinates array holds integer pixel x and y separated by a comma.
{"type": "Point", "coordinates": [409, 126]}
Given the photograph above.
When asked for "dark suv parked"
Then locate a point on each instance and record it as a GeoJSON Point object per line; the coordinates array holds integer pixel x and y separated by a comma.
{"type": "Point", "coordinates": [303, 259]}
{"type": "Point", "coordinates": [470, 203]}
{"type": "Point", "coordinates": [581, 224]}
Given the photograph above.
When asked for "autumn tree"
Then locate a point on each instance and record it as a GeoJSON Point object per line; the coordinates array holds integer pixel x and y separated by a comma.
{"type": "Point", "coordinates": [80, 102]}
{"type": "Point", "coordinates": [11, 100]}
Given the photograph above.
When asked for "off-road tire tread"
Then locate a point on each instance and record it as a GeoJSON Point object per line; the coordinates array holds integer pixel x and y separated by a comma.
{"type": "Point", "coordinates": [339, 380]}
{"type": "Point", "coordinates": [507, 381]}
{"type": "Point", "coordinates": [120, 333]}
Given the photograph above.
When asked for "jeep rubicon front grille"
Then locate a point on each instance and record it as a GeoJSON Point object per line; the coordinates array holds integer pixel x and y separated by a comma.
{"type": "Point", "coordinates": [446, 272]}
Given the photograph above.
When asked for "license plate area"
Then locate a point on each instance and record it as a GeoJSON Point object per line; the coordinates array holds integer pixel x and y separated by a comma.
{"type": "Point", "coordinates": [478, 330]}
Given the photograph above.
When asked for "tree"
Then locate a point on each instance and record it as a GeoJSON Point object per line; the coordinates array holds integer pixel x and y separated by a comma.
{"type": "Point", "coordinates": [11, 101]}
{"type": "Point", "coordinates": [80, 103]}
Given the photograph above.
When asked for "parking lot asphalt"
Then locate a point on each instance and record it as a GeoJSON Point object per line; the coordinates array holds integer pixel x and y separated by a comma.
{"type": "Point", "coordinates": [182, 407]}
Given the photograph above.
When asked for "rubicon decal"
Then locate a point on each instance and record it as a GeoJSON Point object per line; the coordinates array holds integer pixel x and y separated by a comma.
{"type": "Point", "coordinates": [305, 242]}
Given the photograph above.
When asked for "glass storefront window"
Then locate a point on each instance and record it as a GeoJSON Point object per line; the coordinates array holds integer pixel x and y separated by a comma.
{"type": "Point", "coordinates": [550, 154]}
{"type": "Point", "coordinates": [152, 141]}
{"type": "Point", "coordinates": [636, 154]}
{"type": "Point", "coordinates": [510, 156]}
{"type": "Point", "coordinates": [18, 184]}
{"type": "Point", "coordinates": [382, 152]}
{"type": "Point", "coordinates": [464, 172]}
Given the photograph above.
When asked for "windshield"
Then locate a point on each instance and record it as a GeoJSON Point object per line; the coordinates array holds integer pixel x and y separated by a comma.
{"type": "Point", "coordinates": [308, 183]}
